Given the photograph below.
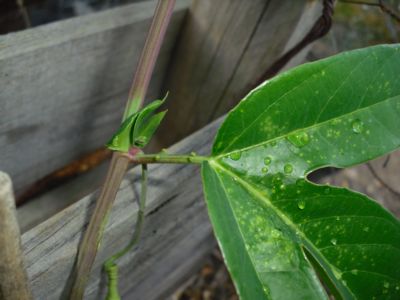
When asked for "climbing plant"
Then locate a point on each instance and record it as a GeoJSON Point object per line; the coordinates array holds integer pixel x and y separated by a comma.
{"type": "Point", "coordinates": [282, 236]}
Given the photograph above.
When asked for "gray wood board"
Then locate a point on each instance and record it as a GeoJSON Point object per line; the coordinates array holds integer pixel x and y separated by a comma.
{"type": "Point", "coordinates": [63, 86]}
{"type": "Point", "coordinates": [177, 232]}
{"type": "Point", "coordinates": [51, 202]}
{"type": "Point", "coordinates": [176, 237]}
{"type": "Point", "coordinates": [224, 48]}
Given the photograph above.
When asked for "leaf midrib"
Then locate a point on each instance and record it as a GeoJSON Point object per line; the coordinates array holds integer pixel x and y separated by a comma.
{"type": "Point", "coordinates": [241, 233]}
{"type": "Point", "coordinates": [286, 220]}
{"type": "Point", "coordinates": [315, 125]}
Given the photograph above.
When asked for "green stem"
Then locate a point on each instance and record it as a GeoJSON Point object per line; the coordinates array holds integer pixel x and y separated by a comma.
{"type": "Point", "coordinates": [162, 158]}
{"type": "Point", "coordinates": [149, 56]}
{"type": "Point", "coordinates": [119, 164]}
{"type": "Point", "coordinates": [110, 265]}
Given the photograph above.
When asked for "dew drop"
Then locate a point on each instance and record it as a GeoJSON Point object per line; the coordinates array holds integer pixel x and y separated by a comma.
{"type": "Point", "coordinates": [386, 284]}
{"type": "Point", "coordinates": [264, 170]}
{"type": "Point", "coordinates": [299, 139]}
{"type": "Point", "coordinates": [301, 204]}
{"type": "Point", "coordinates": [288, 168]}
{"type": "Point", "coordinates": [235, 155]}
{"type": "Point", "coordinates": [277, 180]}
{"type": "Point", "coordinates": [334, 242]}
{"type": "Point", "coordinates": [275, 233]}
{"type": "Point", "coordinates": [267, 160]}
{"type": "Point", "coordinates": [357, 126]}
{"type": "Point", "coordinates": [366, 229]}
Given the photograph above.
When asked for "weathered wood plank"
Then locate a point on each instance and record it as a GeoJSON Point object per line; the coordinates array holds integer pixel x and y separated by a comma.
{"type": "Point", "coordinates": [13, 279]}
{"type": "Point", "coordinates": [48, 204]}
{"type": "Point", "coordinates": [177, 233]}
{"type": "Point", "coordinates": [63, 86]}
{"type": "Point", "coordinates": [225, 46]}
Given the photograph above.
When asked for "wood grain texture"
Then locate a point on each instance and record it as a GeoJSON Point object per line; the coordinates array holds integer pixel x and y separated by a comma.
{"type": "Point", "coordinates": [177, 233]}
{"type": "Point", "coordinates": [224, 47]}
{"type": "Point", "coordinates": [63, 86]}
{"type": "Point", "coordinates": [13, 279]}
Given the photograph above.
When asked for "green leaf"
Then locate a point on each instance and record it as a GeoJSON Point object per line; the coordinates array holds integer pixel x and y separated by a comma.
{"type": "Point", "coordinates": [145, 114]}
{"type": "Point", "coordinates": [137, 129]}
{"type": "Point", "coordinates": [145, 132]}
{"type": "Point", "coordinates": [122, 139]}
{"type": "Point", "coordinates": [276, 229]}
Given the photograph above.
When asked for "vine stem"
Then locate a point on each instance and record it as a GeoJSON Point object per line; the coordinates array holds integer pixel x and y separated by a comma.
{"type": "Point", "coordinates": [162, 158]}
{"type": "Point", "coordinates": [119, 162]}
{"type": "Point", "coordinates": [149, 56]}
{"type": "Point", "coordinates": [110, 265]}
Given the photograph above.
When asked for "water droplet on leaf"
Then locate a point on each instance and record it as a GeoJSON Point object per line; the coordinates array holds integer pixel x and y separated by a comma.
{"type": "Point", "coordinates": [386, 284]}
{"type": "Point", "coordinates": [277, 179]}
{"type": "Point", "coordinates": [301, 204]}
{"type": "Point", "coordinates": [357, 126]}
{"type": "Point", "coordinates": [264, 170]}
{"type": "Point", "coordinates": [288, 168]}
{"type": "Point", "coordinates": [267, 160]}
{"type": "Point", "coordinates": [299, 139]}
{"type": "Point", "coordinates": [334, 242]}
{"type": "Point", "coordinates": [235, 155]}
{"type": "Point", "coordinates": [275, 233]}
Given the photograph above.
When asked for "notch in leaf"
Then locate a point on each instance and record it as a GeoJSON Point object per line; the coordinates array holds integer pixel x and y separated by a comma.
{"type": "Point", "coordinates": [278, 231]}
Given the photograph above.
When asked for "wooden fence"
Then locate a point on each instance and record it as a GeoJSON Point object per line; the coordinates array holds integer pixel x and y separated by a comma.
{"type": "Point", "coordinates": [62, 92]}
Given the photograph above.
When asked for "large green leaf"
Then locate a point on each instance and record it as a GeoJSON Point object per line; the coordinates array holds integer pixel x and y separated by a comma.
{"type": "Point", "coordinates": [281, 234]}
